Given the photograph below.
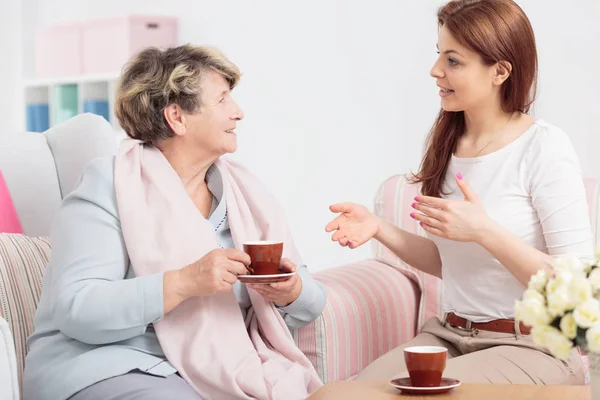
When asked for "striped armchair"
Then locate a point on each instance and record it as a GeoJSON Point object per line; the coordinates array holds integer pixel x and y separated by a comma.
{"type": "Point", "coordinates": [377, 304]}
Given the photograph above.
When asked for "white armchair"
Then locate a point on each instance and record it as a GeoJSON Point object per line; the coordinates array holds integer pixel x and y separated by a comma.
{"type": "Point", "coordinates": [9, 376]}
{"type": "Point", "coordinates": [39, 170]}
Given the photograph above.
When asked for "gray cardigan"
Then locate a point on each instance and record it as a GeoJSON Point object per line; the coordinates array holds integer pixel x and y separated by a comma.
{"type": "Point", "coordinates": [94, 319]}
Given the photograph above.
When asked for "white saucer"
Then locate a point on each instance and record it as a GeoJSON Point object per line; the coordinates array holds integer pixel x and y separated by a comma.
{"type": "Point", "coordinates": [266, 278]}
{"type": "Point", "coordinates": [404, 384]}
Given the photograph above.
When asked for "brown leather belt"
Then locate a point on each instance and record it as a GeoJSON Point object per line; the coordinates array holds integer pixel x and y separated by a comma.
{"type": "Point", "coordinates": [497, 325]}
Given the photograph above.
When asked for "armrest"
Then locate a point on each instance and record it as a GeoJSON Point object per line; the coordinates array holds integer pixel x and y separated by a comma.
{"type": "Point", "coordinates": [371, 309]}
{"type": "Point", "coordinates": [9, 377]}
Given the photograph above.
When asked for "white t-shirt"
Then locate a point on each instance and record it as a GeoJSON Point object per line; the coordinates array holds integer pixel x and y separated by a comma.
{"type": "Point", "coordinates": [533, 187]}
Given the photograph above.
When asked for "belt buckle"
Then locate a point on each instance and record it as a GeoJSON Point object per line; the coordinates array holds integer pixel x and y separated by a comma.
{"type": "Point", "coordinates": [473, 331]}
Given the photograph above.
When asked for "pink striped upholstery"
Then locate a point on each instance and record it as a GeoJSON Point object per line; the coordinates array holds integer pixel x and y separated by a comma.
{"type": "Point", "coordinates": [393, 203]}
{"type": "Point", "coordinates": [371, 309]}
{"type": "Point", "coordinates": [22, 262]}
{"type": "Point", "coordinates": [592, 188]}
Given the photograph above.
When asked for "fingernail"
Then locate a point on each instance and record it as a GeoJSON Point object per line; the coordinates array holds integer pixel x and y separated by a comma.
{"type": "Point", "coordinates": [459, 176]}
{"type": "Point", "coordinates": [420, 223]}
{"type": "Point", "coordinates": [273, 285]}
{"type": "Point", "coordinates": [412, 215]}
{"type": "Point", "coordinates": [416, 198]}
{"type": "Point", "coordinates": [413, 205]}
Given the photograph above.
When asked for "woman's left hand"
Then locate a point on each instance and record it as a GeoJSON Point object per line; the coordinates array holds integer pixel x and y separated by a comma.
{"type": "Point", "coordinates": [281, 293]}
{"type": "Point", "coordinates": [460, 220]}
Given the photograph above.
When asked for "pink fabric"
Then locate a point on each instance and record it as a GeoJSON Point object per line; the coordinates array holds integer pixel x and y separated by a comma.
{"type": "Point", "coordinates": [592, 189]}
{"type": "Point", "coordinates": [371, 309]}
{"type": "Point", "coordinates": [9, 221]}
{"type": "Point", "coordinates": [393, 203]}
{"type": "Point", "coordinates": [205, 338]}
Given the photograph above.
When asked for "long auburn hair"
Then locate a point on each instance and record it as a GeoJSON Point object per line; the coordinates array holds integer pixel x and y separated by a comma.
{"type": "Point", "coordinates": [498, 30]}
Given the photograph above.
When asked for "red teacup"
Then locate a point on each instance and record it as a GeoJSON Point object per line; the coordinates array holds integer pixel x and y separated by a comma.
{"type": "Point", "coordinates": [425, 365]}
{"type": "Point", "coordinates": [265, 257]}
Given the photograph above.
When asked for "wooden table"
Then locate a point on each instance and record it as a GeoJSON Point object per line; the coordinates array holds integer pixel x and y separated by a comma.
{"type": "Point", "coordinates": [380, 390]}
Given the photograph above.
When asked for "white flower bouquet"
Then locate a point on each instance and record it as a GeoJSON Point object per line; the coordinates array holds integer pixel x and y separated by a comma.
{"type": "Point", "coordinates": [563, 306]}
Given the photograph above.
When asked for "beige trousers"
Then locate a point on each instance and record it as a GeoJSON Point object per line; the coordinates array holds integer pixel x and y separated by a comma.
{"type": "Point", "coordinates": [486, 357]}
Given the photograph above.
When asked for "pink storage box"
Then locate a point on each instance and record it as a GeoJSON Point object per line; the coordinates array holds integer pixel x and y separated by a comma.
{"type": "Point", "coordinates": [58, 51]}
{"type": "Point", "coordinates": [109, 43]}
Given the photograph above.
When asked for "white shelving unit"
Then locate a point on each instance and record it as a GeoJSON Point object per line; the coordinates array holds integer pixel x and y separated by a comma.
{"type": "Point", "coordinates": [88, 87]}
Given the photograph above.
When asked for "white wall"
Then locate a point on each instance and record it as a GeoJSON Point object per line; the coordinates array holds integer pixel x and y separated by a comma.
{"type": "Point", "coordinates": [12, 111]}
{"type": "Point", "coordinates": [568, 38]}
{"type": "Point", "coordinates": [337, 94]}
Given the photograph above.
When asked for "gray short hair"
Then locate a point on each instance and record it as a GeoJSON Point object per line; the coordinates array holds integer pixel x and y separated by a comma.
{"type": "Point", "coordinates": [154, 79]}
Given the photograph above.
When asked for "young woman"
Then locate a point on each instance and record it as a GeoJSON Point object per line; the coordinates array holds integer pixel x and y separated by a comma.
{"type": "Point", "coordinates": [524, 202]}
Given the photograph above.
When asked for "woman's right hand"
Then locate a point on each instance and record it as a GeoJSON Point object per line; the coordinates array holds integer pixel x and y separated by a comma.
{"type": "Point", "coordinates": [214, 273]}
{"type": "Point", "coordinates": [354, 226]}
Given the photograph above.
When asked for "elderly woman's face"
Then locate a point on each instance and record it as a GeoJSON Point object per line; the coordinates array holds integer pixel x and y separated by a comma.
{"type": "Point", "coordinates": [213, 127]}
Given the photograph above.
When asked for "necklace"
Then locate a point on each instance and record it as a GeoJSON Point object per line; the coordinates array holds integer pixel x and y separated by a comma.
{"type": "Point", "coordinates": [495, 137]}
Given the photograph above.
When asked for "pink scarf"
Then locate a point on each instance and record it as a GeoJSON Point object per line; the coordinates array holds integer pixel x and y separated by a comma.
{"type": "Point", "coordinates": [205, 338]}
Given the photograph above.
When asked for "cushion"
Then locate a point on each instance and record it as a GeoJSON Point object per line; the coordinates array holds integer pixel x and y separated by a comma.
{"type": "Point", "coordinates": [9, 221]}
{"type": "Point", "coordinates": [393, 203]}
{"type": "Point", "coordinates": [371, 309]}
{"type": "Point", "coordinates": [22, 262]}
{"type": "Point", "coordinates": [40, 169]}
{"type": "Point", "coordinates": [77, 141]}
{"type": "Point", "coordinates": [592, 189]}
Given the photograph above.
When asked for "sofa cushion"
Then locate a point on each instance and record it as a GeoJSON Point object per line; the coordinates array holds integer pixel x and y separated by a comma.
{"type": "Point", "coordinates": [371, 309]}
{"type": "Point", "coordinates": [28, 168]}
{"type": "Point", "coordinates": [393, 203]}
{"type": "Point", "coordinates": [9, 222]}
{"type": "Point", "coordinates": [592, 189]}
{"type": "Point", "coordinates": [77, 141]}
{"type": "Point", "coordinates": [22, 262]}
{"type": "Point", "coordinates": [41, 169]}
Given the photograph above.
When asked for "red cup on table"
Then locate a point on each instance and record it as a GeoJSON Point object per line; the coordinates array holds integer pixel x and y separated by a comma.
{"type": "Point", "coordinates": [425, 365]}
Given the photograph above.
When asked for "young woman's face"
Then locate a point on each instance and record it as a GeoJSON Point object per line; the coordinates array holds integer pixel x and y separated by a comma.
{"type": "Point", "coordinates": [464, 80]}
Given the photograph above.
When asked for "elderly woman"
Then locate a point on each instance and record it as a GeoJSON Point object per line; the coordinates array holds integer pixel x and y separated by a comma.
{"type": "Point", "coordinates": [141, 299]}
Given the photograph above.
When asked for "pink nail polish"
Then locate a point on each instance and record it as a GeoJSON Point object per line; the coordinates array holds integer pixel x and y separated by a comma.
{"type": "Point", "coordinates": [420, 223]}
{"type": "Point", "coordinates": [412, 215]}
{"type": "Point", "coordinates": [416, 198]}
{"type": "Point", "coordinates": [413, 205]}
{"type": "Point", "coordinates": [459, 176]}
